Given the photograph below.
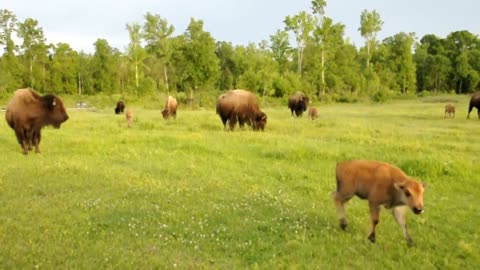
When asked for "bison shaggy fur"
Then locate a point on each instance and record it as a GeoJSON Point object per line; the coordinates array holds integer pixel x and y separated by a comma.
{"type": "Point", "coordinates": [298, 103]}
{"type": "Point", "coordinates": [28, 112]}
{"type": "Point", "coordinates": [120, 107]}
{"type": "Point", "coordinates": [170, 108]}
{"type": "Point", "coordinates": [474, 102]}
{"type": "Point", "coordinates": [240, 106]}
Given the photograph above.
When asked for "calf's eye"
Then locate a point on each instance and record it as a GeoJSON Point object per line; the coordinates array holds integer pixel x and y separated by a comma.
{"type": "Point", "coordinates": [407, 193]}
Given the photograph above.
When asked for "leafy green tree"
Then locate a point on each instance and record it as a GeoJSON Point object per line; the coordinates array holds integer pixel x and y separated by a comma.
{"type": "Point", "coordinates": [103, 67]}
{"type": "Point", "coordinates": [33, 48]}
{"type": "Point", "coordinates": [281, 49]}
{"type": "Point", "coordinates": [157, 34]}
{"type": "Point", "coordinates": [135, 52]}
{"type": "Point", "coordinates": [225, 53]}
{"type": "Point", "coordinates": [302, 26]}
{"type": "Point", "coordinates": [462, 47]}
{"type": "Point", "coordinates": [201, 67]}
{"type": "Point", "coordinates": [370, 25]}
{"type": "Point", "coordinates": [10, 71]}
{"type": "Point", "coordinates": [63, 69]}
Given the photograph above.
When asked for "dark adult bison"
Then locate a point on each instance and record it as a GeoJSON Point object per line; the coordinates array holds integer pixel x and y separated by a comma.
{"type": "Point", "coordinates": [474, 102]}
{"type": "Point", "coordinates": [28, 112]}
{"type": "Point", "coordinates": [170, 108]}
{"type": "Point", "coordinates": [242, 106]}
{"type": "Point", "coordinates": [298, 103]}
{"type": "Point", "coordinates": [120, 107]}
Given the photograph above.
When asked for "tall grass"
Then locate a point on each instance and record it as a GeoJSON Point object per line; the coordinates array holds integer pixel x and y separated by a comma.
{"type": "Point", "coordinates": [185, 194]}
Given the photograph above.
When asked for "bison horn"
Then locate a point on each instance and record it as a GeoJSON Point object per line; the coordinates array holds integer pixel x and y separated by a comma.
{"type": "Point", "coordinates": [54, 102]}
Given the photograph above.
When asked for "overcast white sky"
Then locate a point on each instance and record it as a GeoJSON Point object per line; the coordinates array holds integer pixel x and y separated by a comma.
{"type": "Point", "coordinates": [81, 22]}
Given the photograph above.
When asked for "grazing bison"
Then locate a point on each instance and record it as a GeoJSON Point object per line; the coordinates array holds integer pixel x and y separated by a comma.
{"type": "Point", "coordinates": [28, 112]}
{"type": "Point", "coordinates": [298, 103]}
{"type": "Point", "coordinates": [170, 108]}
{"type": "Point", "coordinates": [381, 184]}
{"type": "Point", "coordinates": [474, 102]}
{"type": "Point", "coordinates": [120, 107]}
{"type": "Point", "coordinates": [449, 110]}
{"type": "Point", "coordinates": [313, 113]}
{"type": "Point", "coordinates": [242, 106]}
{"type": "Point", "coordinates": [129, 116]}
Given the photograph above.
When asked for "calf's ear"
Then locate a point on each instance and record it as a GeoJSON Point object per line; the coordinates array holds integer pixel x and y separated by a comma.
{"type": "Point", "coordinates": [400, 185]}
{"type": "Point", "coordinates": [424, 185]}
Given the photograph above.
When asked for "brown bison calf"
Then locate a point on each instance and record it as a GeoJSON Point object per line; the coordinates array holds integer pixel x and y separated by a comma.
{"type": "Point", "coordinates": [170, 108]}
{"type": "Point", "coordinates": [381, 184]}
{"type": "Point", "coordinates": [313, 113]}
{"type": "Point", "coordinates": [28, 112]}
{"type": "Point", "coordinates": [129, 116]}
{"type": "Point", "coordinates": [449, 111]}
{"type": "Point", "coordinates": [474, 102]}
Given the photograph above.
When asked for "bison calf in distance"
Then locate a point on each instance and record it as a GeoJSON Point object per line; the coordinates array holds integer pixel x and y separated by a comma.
{"type": "Point", "coordinates": [298, 103]}
{"type": "Point", "coordinates": [381, 184]}
{"type": "Point", "coordinates": [170, 108]}
{"type": "Point", "coordinates": [474, 102]}
{"type": "Point", "coordinates": [129, 116]}
{"type": "Point", "coordinates": [120, 107]}
{"type": "Point", "coordinates": [28, 112]}
{"type": "Point", "coordinates": [242, 106]}
{"type": "Point", "coordinates": [449, 111]}
{"type": "Point", "coordinates": [313, 113]}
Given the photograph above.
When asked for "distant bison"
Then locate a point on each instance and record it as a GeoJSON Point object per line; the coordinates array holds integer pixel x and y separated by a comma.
{"type": "Point", "coordinates": [28, 112]}
{"type": "Point", "coordinates": [449, 111]}
{"type": "Point", "coordinates": [242, 106]}
{"type": "Point", "coordinates": [129, 116]}
{"type": "Point", "coordinates": [474, 102]}
{"type": "Point", "coordinates": [298, 103]}
{"type": "Point", "coordinates": [120, 107]}
{"type": "Point", "coordinates": [313, 113]}
{"type": "Point", "coordinates": [170, 108]}
{"type": "Point", "coordinates": [381, 184]}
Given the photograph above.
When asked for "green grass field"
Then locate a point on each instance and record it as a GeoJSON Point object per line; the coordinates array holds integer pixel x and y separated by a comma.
{"type": "Point", "coordinates": [185, 194]}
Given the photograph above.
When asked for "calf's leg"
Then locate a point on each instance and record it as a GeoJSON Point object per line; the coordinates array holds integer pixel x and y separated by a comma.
{"type": "Point", "coordinates": [339, 201]}
{"type": "Point", "coordinates": [400, 216]}
{"type": "Point", "coordinates": [375, 217]}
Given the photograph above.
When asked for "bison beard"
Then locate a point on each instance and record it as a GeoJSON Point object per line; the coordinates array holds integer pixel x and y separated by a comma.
{"type": "Point", "coordinates": [28, 112]}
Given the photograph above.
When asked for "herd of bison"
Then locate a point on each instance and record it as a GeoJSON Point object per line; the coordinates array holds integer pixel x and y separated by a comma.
{"type": "Point", "coordinates": [379, 183]}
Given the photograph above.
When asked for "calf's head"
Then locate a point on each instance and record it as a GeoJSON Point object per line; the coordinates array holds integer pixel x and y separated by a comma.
{"type": "Point", "coordinates": [412, 192]}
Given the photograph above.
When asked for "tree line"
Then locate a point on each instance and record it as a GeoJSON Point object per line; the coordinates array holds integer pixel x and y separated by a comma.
{"type": "Point", "coordinates": [319, 61]}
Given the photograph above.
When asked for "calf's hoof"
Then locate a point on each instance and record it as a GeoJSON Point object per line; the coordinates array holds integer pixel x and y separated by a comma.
{"type": "Point", "coordinates": [371, 237]}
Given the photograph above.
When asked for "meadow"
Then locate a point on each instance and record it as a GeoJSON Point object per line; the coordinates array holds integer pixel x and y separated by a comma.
{"type": "Point", "coordinates": [186, 194]}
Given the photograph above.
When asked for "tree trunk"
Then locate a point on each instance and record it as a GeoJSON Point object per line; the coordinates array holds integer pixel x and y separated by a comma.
{"type": "Point", "coordinates": [165, 76]}
{"type": "Point", "coordinates": [323, 72]}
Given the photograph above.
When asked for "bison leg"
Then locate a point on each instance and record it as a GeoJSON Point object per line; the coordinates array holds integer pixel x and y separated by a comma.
{"type": "Point", "coordinates": [400, 216]}
{"type": "Point", "coordinates": [232, 121]}
{"type": "Point", "coordinates": [374, 216]}
{"type": "Point", "coordinates": [22, 140]}
{"type": "Point", "coordinates": [469, 111]}
{"type": "Point", "coordinates": [36, 140]}
{"type": "Point", "coordinates": [340, 201]}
